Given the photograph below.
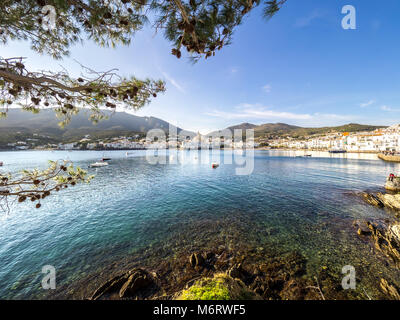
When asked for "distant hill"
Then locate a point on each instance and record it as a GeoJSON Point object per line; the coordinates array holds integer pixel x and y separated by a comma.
{"type": "Point", "coordinates": [284, 130]}
{"type": "Point", "coordinates": [275, 128]}
{"type": "Point", "coordinates": [242, 126]}
{"type": "Point", "coordinates": [298, 132]}
{"type": "Point", "coordinates": [21, 124]}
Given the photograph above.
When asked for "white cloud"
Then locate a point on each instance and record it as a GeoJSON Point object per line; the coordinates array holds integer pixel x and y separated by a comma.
{"type": "Point", "coordinates": [267, 88]}
{"type": "Point", "coordinates": [367, 104]}
{"type": "Point", "coordinates": [305, 21]}
{"type": "Point", "coordinates": [173, 82]}
{"type": "Point", "coordinates": [247, 112]}
{"type": "Point", "coordinates": [386, 108]}
{"type": "Point", "coordinates": [255, 112]}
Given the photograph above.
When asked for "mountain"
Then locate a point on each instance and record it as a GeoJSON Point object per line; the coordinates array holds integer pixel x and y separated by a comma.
{"type": "Point", "coordinates": [242, 126]}
{"type": "Point", "coordinates": [276, 128]}
{"type": "Point", "coordinates": [299, 132]}
{"type": "Point", "coordinates": [284, 130]}
{"type": "Point", "coordinates": [20, 125]}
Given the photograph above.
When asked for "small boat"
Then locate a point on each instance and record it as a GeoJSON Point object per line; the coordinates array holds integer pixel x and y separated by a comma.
{"type": "Point", "coordinates": [308, 155]}
{"type": "Point", "coordinates": [98, 165]}
{"type": "Point", "coordinates": [337, 151]}
{"type": "Point", "coordinates": [1, 164]}
{"type": "Point", "coordinates": [105, 159]}
{"type": "Point", "coordinates": [215, 165]}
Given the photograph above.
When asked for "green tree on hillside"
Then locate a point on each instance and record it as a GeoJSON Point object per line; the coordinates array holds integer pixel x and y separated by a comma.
{"type": "Point", "coordinates": [200, 26]}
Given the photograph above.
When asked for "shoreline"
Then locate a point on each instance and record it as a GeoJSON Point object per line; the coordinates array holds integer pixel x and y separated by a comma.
{"type": "Point", "coordinates": [221, 149]}
{"type": "Point", "coordinates": [315, 150]}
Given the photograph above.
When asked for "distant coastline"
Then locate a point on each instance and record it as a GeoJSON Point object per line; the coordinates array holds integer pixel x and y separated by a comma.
{"type": "Point", "coordinates": [138, 149]}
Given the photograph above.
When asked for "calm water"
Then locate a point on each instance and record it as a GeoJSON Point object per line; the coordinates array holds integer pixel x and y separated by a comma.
{"type": "Point", "coordinates": [133, 208]}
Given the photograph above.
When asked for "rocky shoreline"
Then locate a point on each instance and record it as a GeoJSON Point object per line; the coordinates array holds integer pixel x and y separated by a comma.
{"type": "Point", "coordinates": [383, 200]}
{"type": "Point", "coordinates": [277, 279]}
{"type": "Point", "coordinates": [385, 237]}
{"type": "Point", "coordinates": [238, 275]}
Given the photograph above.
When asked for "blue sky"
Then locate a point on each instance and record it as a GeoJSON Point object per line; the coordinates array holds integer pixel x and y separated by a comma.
{"type": "Point", "coordinates": [300, 68]}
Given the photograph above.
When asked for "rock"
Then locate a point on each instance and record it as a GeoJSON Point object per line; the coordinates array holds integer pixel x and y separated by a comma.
{"type": "Point", "coordinates": [387, 240]}
{"type": "Point", "coordinates": [393, 185]}
{"type": "Point", "coordinates": [210, 255]}
{"type": "Point", "coordinates": [391, 201]}
{"type": "Point", "coordinates": [381, 200]}
{"type": "Point", "coordinates": [110, 286]}
{"type": "Point", "coordinates": [395, 229]}
{"type": "Point", "coordinates": [292, 291]}
{"type": "Point", "coordinates": [139, 280]}
{"type": "Point", "coordinates": [236, 271]}
{"type": "Point", "coordinates": [126, 285]}
{"type": "Point", "coordinates": [192, 260]}
{"type": "Point", "coordinates": [196, 260]}
{"type": "Point", "coordinates": [363, 232]}
{"type": "Point", "coordinates": [372, 199]}
{"type": "Point", "coordinates": [390, 289]}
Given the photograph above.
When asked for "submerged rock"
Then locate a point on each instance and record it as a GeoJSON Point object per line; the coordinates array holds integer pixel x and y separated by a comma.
{"type": "Point", "coordinates": [238, 272]}
{"type": "Point", "coordinates": [385, 238]}
{"type": "Point", "coordinates": [363, 232]}
{"type": "Point", "coordinates": [197, 260]}
{"type": "Point", "coordinates": [136, 283]}
{"type": "Point", "coordinates": [390, 289]}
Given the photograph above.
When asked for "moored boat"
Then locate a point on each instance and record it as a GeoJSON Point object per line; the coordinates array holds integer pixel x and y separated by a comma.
{"type": "Point", "coordinates": [1, 163]}
{"type": "Point", "coordinates": [98, 164]}
{"type": "Point", "coordinates": [337, 151]}
{"type": "Point", "coordinates": [215, 165]}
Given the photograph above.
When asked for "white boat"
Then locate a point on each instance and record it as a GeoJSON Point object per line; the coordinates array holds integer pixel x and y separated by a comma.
{"type": "Point", "coordinates": [98, 164]}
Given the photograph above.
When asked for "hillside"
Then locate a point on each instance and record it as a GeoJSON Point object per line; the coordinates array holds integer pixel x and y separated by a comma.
{"type": "Point", "coordinates": [298, 132]}
{"type": "Point", "coordinates": [284, 130]}
{"type": "Point", "coordinates": [21, 125]}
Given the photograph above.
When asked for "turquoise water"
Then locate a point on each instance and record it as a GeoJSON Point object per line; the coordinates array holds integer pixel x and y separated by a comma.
{"type": "Point", "coordinates": [135, 209]}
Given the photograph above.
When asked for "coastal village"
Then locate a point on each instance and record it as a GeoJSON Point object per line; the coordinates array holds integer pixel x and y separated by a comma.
{"type": "Point", "coordinates": [380, 140]}
{"type": "Point", "coordinates": [377, 141]}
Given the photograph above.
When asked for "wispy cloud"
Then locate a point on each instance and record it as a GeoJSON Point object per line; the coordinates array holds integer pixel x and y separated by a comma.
{"type": "Point", "coordinates": [173, 82]}
{"type": "Point", "coordinates": [258, 114]}
{"type": "Point", "coordinates": [390, 109]}
{"type": "Point", "coordinates": [267, 88]}
{"type": "Point", "coordinates": [367, 104]}
{"type": "Point", "coordinates": [306, 21]}
{"type": "Point", "coordinates": [248, 112]}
